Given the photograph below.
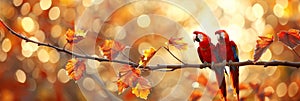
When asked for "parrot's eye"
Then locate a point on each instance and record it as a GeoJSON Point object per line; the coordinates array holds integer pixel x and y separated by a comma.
{"type": "Point", "coordinates": [222, 34]}
{"type": "Point", "coordinates": [200, 37]}
{"type": "Point", "coordinates": [218, 36]}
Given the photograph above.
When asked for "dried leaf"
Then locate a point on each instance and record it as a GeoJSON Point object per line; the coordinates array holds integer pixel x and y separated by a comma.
{"type": "Point", "coordinates": [196, 94]}
{"type": "Point", "coordinates": [178, 43]}
{"type": "Point", "coordinates": [262, 45]}
{"type": "Point", "coordinates": [74, 37]}
{"type": "Point", "coordinates": [130, 77]}
{"type": "Point", "coordinates": [75, 68]}
{"type": "Point", "coordinates": [291, 38]}
{"type": "Point", "coordinates": [110, 49]}
{"type": "Point", "coordinates": [145, 58]}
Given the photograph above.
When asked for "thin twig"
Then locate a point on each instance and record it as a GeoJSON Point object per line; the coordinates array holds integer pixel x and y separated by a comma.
{"type": "Point", "coordinates": [173, 55]}
{"type": "Point", "coordinates": [159, 67]}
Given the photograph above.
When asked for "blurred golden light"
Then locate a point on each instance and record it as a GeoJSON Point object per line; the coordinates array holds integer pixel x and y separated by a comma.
{"type": "Point", "coordinates": [266, 56]}
{"type": "Point", "coordinates": [51, 78]}
{"type": "Point", "coordinates": [69, 14]}
{"type": "Point", "coordinates": [3, 56]}
{"type": "Point", "coordinates": [27, 24]}
{"type": "Point", "coordinates": [33, 46]}
{"type": "Point", "coordinates": [283, 21]}
{"type": "Point", "coordinates": [62, 76]}
{"type": "Point", "coordinates": [21, 76]}
{"type": "Point", "coordinates": [249, 14]}
{"type": "Point", "coordinates": [87, 3]}
{"type": "Point", "coordinates": [40, 35]}
{"type": "Point", "coordinates": [56, 31]}
{"type": "Point", "coordinates": [278, 10]}
{"type": "Point", "coordinates": [272, 20]}
{"type": "Point", "coordinates": [281, 89]}
{"type": "Point", "coordinates": [25, 9]}
{"type": "Point", "coordinates": [6, 45]}
{"type": "Point", "coordinates": [277, 48]}
{"type": "Point", "coordinates": [293, 89]}
{"type": "Point", "coordinates": [17, 2]}
{"type": "Point", "coordinates": [258, 10]}
{"type": "Point", "coordinates": [270, 70]}
{"type": "Point", "coordinates": [143, 21]}
{"type": "Point", "coordinates": [26, 53]}
{"type": "Point", "coordinates": [36, 9]}
{"type": "Point", "coordinates": [45, 4]}
{"type": "Point", "coordinates": [269, 89]}
{"type": "Point", "coordinates": [238, 20]}
{"type": "Point", "coordinates": [283, 3]}
{"type": "Point", "coordinates": [54, 13]}
{"type": "Point", "coordinates": [54, 56]}
{"type": "Point", "coordinates": [88, 84]}
{"type": "Point", "coordinates": [43, 55]}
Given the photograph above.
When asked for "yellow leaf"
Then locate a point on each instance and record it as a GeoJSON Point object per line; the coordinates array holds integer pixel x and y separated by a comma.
{"type": "Point", "coordinates": [121, 86]}
{"type": "Point", "coordinates": [75, 68]}
{"type": "Point", "coordinates": [145, 58]}
{"type": "Point", "coordinates": [139, 92]}
{"type": "Point", "coordinates": [74, 37]}
{"type": "Point", "coordinates": [110, 49]}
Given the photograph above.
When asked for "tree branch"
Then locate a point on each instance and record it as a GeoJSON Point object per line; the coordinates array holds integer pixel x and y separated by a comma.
{"type": "Point", "coordinates": [163, 67]}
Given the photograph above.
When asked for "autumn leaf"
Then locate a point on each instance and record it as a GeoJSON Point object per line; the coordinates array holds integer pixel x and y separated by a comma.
{"type": "Point", "coordinates": [196, 94]}
{"type": "Point", "coordinates": [74, 37]}
{"type": "Point", "coordinates": [110, 49]}
{"type": "Point", "coordinates": [142, 88]}
{"type": "Point", "coordinates": [262, 45]}
{"type": "Point", "coordinates": [178, 43]}
{"type": "Point", "coordinates": [145, 58]}
{"type": "Point", "coordinates": [130, 77]}
{"type": "Point", "coordinates": [291, 38]}
{"type": "Point", "coordinates": [75, 68]}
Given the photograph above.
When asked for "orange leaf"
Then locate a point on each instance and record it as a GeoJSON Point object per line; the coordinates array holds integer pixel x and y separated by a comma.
{"type": "Point", "coordinates": [148, 54]}
{"type": "Point", "coordinates": [131, 78]}
{"type": "Point", "coordinates": [291, 38]}
{"type": "Point", "coordinates": [110, 49]}
{"type": "Point", "coordinates": [178, 43]}
{"type": "Point", "coordinates": [74, 37]}
{"type": "Point", "coordinates": [261, 46]}
{"type": "Point", "coordinates": [196, 94]}
{"type": "Point", "coordinates": [121, 86]}
{"type": "Point", "coordinates": [75, 68]}
{"type": "Point", "coordinates": [202, 79]}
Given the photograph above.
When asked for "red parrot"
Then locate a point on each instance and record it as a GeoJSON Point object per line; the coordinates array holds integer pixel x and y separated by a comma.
{"type": "Point", "coordinates": [207, 54]}
{"type": "Point", "coordinates": [224, 45]}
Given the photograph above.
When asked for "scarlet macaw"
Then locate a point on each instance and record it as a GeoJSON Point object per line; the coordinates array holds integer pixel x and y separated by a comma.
{"type": "Point", "coordinates": [224, 45]}
{"type": "Point", "coordinates": [207, 54]}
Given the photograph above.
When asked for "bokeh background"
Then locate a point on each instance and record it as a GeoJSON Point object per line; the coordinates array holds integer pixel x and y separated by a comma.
{"type": "Point", "coordinates": [29, 72]}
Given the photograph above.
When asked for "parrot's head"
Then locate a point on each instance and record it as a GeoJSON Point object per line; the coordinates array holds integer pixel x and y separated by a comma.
{"type": "Point", "coordinates": [200, 36]}
{"type": "Point", "coordinates": [222, 36]}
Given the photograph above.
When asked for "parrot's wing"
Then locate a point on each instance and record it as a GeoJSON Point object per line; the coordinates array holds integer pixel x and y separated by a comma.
{"type": "Point", "coordinates": [200, 55]}
{"type": "Point", "coordinates": [234, 70]}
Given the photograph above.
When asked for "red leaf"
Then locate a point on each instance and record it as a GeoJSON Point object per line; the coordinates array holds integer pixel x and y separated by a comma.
{"type": "Point", "coordinates": [261, 46]}
{"type": "Point", "coordinates": [290, 38]}
{"type": "Point", "coordinates": [75, 68]}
